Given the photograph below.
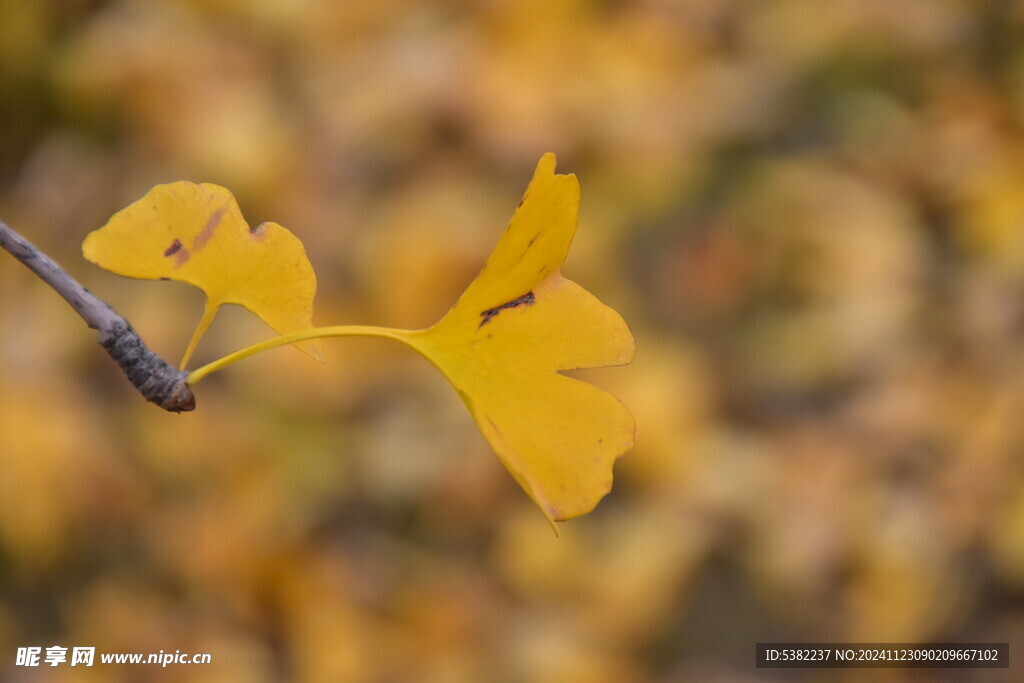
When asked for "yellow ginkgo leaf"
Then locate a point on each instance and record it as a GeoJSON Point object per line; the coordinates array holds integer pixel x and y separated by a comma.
{"type": "Point", "coordinates": [502, 345]}
{"type": "Point", "coordinates": [196, 234]}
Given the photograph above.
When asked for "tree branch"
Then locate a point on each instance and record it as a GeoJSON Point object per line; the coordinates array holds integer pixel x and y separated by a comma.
{"type": "Point", "coordinates": [151, 375]}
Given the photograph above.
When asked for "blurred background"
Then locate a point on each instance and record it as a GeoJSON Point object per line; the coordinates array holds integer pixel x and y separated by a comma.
{"type": "Point", "coordinates": [811, 214]}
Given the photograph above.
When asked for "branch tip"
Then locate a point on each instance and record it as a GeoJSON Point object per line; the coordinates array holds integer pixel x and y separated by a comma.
{"type": "Point", "coordinates": [150, 374]}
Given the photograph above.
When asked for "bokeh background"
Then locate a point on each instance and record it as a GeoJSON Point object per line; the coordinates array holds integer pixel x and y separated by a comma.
{"type": "Point", "coordinates": [811, 214]}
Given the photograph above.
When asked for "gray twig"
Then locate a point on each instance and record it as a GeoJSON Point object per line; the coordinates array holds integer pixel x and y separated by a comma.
{"type": "Point", "coordinates": [151, 375]}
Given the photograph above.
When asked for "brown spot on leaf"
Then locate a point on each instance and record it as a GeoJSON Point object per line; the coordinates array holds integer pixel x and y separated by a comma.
{"type": "Point", "coordinates": [258, 232]}
{"type": "Point", "coordinates": [494, 426]}
{"type": "Point", "coordinates": [173, 249]}
{"type": "Point", "coordinates": [529, 244]}
{"type": "Point", "coordinates": [526, 299]}
{"type": "Point", "coordinates": [207, 232]}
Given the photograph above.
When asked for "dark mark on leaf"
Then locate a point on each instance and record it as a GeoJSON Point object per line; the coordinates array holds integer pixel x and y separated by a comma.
{"type": "Point", "coordinates": [492, 424]}
{"type": "Point", "coordinates": [211, 224]}
{"type": "Point", "coordinates": [173, 249]}
{"type": "Point", "coordinates": [530, 244]}
{"type": "Point", "coordinates": [527, 299]}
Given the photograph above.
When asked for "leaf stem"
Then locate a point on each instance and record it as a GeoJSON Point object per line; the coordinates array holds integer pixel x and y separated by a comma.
{"type": "Point", "coordinates": [305, 335]}
{"type": "Point", "coordinates": [209, 313]}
